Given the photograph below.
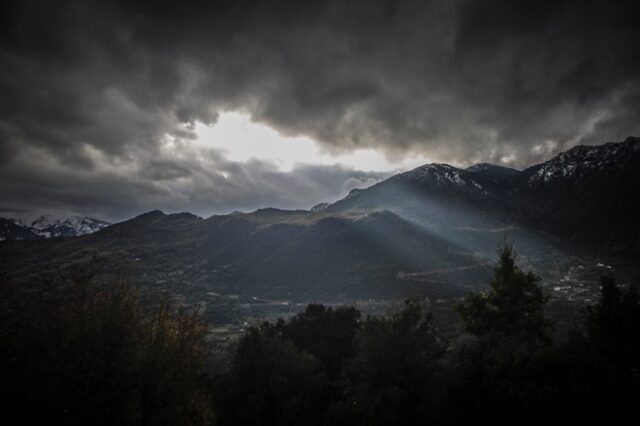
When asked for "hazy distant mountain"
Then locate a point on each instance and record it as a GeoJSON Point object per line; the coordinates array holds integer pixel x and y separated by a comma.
{"type": "Point", "coordinates": [48, 226]}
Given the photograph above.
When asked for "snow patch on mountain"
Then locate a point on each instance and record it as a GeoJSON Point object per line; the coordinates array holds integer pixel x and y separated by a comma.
{"type": "Point", "coordinates": [49, 226]}
{"type": "Point", "coordinates": [582, 159]}
{"type": "Point", "coordinates": [15, 229]}
{"type": "Point", "coordinates": [442, 175]}
{"type": "Point", "coordinates": [439, 172]}
{"type": "Point", "coordinates": [320, 207]}
{"type": "Point", "coordinates": [354, 192]}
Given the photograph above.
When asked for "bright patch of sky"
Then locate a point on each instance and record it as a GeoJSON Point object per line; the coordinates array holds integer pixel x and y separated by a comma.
{"type": "Point", "coordinates": [242, 139]}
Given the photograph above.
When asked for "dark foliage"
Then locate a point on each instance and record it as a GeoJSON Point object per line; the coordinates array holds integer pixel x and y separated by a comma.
{"type": "Point", "coordinates": [399, 370]}
{"type": "Point", "coordinates": [394, 376]}
{"type": "Point", "coordinates": [90, 354]}
{"type": "Point", "coordinates": [271, 382]}
{"type": "Point", "coordinates": [286, 373]}
{"type": "Point", "coordinates": [326, 333]}
{"type": "Point", "coordinates": [612, 324]}
{"type": "Point", "coordinates": [85, 354]}
{"type": "Point", "coordinates": [513, 305]}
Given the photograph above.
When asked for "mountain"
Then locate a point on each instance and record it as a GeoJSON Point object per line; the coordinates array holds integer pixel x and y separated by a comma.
{"type": "Point", "coordinates": [319, 207]}
{"type": "Point", "coordinates": [14, 229]}
{"type": "Point", "coordinates": [428, 232]}
{"type": "Point", "coordinates": [583, 197]}
{"type": "Point", "coordinates": [468, 208]}
{"type": "Point", "coordinates": [432, 191]}
{"type": "Point", "coordinates": [267, 254]}
{"type": "Point", "coordinates": [48, 226]}
{"type": "Point", "coordinates": [493, 170]}
{"type": "Point", "coordinates": [587, 194]}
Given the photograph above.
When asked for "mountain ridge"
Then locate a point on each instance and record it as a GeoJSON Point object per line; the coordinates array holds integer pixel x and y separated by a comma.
{"type": "Point", "coordinates": [428, 232]}
{"type": "Point", "coordinates": [568, 195]}
{"type": "Point", "coordinates": [49, 226]}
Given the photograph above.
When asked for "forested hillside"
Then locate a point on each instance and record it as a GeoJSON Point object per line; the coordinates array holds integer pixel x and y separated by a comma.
{"type": "Point", "coordinates": [89, 354]}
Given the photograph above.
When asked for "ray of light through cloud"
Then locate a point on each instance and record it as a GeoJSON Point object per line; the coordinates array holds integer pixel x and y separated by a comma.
{"type": "Point", "coordinates": [241, 139]}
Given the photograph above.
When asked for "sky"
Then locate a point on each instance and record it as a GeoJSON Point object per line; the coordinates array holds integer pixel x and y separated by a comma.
{"type": "Point", "coordinates": [113, 108]}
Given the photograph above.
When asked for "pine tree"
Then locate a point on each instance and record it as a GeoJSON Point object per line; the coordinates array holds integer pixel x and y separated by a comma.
{"type": "Point", "coordinates": [512, 305]}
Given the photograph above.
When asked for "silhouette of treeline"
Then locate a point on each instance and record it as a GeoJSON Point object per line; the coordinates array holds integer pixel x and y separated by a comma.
{"type": "Point", "coordinates": [89, 354]}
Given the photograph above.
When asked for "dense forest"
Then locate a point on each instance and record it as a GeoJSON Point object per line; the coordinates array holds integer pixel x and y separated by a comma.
{"type": "Point", "coordinates": [87, 353]}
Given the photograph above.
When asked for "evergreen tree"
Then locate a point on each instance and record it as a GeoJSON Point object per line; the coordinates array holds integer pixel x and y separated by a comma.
{"type": "Point", "coordinates": [612, 323]}
{"type": "Point", "coordinates": [513, 305]}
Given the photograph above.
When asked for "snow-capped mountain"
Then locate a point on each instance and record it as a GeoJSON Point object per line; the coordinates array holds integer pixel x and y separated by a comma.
{"type": "Point", "coordinates": [580, 161]}
{"type": "Point", "coordinates": [15, 229]}
{"type": "Point", "coordinates": [435, 219]}
{"type": "Point", "coordinates": [48, 226]}
{"type": "Point", "coordinates": [439, 175]}
{"type": "Point", "coordinates": [585, 193]}
{"type": "Point", "coordinates": [426, 189]}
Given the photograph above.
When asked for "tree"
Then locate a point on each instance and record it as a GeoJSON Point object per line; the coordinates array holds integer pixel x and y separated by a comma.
{"type": "Point", "coordinates": [513, 305]}
{"type": "Point", "coordinates": [271, 382]}
{"type": "Point", "coordinates": [394, 374]}
{"type": "Point", "coordinates": [612, 323]}
{"type": "Point", "coordinates": [91, 354]}
{"type": "Point", "coordinates": [287, 372]}
{"type": "Point", "coordinates": [327, 333]}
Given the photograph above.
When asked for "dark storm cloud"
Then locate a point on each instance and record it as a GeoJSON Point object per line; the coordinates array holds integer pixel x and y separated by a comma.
{"type": "Point", "coordinates": [177, 179]}
{"type": "Point", "coordinates": [88, 87]}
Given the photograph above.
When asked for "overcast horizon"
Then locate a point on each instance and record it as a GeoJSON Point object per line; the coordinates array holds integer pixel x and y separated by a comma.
{"type": "Point", "coordinates": [113, 108]}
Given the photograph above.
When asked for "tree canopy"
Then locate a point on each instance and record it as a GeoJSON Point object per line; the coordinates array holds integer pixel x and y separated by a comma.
{"type": "Point", "coordinates": [512, 305]}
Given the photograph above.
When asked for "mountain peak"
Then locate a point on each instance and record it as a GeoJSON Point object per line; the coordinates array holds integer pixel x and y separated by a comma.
{"type": "Point", "coordinates": [438, 174]}
{"type": "Point", "coordinates": [151, 213]}
{"type": "Point", "coordinates": [319, 207]}
{"type": "Point", "coordinates": [436, 166]}
{"type": "Point", "coordinates": [480, 166]}
{"type": "Point", "coordinates": [582, 159]}
{"type": "Point", "coordinates": [492, 170]}
{"type": "Point", "coordinates": [353, 193]}
{"type": "Point", "coordinates": [157, 212]}
{"type": "Point", "coordinates": [487, 166]}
